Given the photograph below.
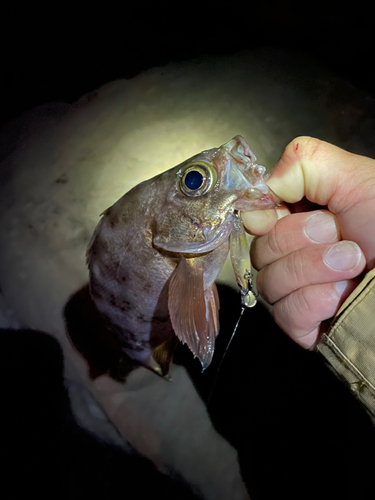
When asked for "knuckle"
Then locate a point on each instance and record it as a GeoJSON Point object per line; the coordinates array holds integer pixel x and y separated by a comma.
{"type": "Point", "coordinates": [303, 303]}
{"type": "Point", "coordinates": [282, 314]}
{"type": "Point", "coordinates": [256, 251]}
{"type": "Point", "coordinates": [305, 146]}
{"type": "Point", "coordinates": [297, 307]}
{"type": "Point", "coordinates": [303, 310]}
{"type": "Point", "coordinates": [294, 268]}
{"type": "Point", "coordinates": [295, 314]}
{"type": "Point", "coordinates": [276, 241]}
{"type": "Point", "coordinates": [261, 283]}
{"type": "Point", "coordinates": [302, 148]}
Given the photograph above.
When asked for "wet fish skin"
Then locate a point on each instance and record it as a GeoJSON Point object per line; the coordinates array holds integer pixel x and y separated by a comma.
{"type": "Point", "coordinates": [157, 251]}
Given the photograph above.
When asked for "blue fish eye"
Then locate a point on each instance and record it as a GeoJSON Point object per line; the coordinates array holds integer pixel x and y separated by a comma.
{"type": "Point", "coordinates": [193, 180]}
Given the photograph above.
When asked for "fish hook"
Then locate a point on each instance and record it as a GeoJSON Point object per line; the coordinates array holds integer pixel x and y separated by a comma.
{"type": "Point", "coordinates": [248, 294]}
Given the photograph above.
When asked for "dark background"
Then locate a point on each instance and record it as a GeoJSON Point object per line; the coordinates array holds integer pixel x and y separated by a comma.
{"type": "Point", "coordinates": [58, 52]}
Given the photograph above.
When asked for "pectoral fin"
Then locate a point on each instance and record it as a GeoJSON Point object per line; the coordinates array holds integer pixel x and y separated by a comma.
{"type": "Point", "coordinates": [194, 311]}
{"type": "Point", "coordinates": [163, 354]}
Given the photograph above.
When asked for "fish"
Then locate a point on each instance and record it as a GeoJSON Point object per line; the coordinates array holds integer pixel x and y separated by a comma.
{"type": "Point", "coordinates": [155, 254]}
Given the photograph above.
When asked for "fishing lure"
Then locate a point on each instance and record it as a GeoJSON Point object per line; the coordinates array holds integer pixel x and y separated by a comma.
{"type": "Point", "coordinates": [240, 258]}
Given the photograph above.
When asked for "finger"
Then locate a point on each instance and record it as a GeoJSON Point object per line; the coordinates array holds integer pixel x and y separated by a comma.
{"type": "Point", "coordinates": [318, 170]}
{"type": "Point", "coordinates": [259, 221]}
{"type": "Point", "coordinates": [311, 265]}
{"type": "Point", "coordinates": [282, 211]}
{"type": "Point", "coordinates": [292, 233]}
{"type": "Point", "coordinates": [301, 313]}
{"type": "Point", "coordinates": [332, 177]}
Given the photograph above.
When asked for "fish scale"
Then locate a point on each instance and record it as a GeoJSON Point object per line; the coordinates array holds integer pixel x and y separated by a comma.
{"type": "Point", "coordinates": [152, 271]}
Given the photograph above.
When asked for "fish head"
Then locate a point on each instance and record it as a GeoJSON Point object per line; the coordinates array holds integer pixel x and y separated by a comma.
{"type": "Point", "coordinates": [198, 198]}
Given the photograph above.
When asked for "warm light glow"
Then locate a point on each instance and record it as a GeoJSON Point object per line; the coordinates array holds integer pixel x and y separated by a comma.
{"type": "Point", "coordinates": [72, 167]}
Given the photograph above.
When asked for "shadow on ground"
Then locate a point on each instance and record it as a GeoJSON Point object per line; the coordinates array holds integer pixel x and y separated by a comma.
{"type": "Point", "coordinates": [45, 451]}
{"type": "Point", "coordinates": [297, 429]}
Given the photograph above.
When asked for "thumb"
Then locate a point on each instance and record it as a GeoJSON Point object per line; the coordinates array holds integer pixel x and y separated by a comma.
{"type": "Point", "coordinates": [329, 176]}
{"type": "Point", "coordinates": [323, 173]}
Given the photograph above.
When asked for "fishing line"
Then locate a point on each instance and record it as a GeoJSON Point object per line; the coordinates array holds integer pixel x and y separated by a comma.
{"type": "Point", "coordinates": [248, 300]}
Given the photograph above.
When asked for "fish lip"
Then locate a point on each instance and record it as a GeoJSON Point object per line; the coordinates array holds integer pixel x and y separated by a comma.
{"type": "Point", "coordinates": [274, 198]}
{"type": "Point", "coordinates": [217, 239]}
{"type": "Point", "coordinates": [264, 200]}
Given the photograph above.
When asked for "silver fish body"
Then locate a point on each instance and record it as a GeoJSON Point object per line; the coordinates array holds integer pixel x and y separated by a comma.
{"type": "Point", "coordinates": [157, 251]}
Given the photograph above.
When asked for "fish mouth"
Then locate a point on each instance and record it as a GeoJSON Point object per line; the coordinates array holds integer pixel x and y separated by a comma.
{"type": "Point", "coordinates": [213, 240]}
{"type": "Point", "coordinates": [259, 197]}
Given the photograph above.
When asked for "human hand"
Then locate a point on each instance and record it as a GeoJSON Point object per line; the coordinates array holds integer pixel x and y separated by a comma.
{"type": "Point", "coordinates": [310, 261]}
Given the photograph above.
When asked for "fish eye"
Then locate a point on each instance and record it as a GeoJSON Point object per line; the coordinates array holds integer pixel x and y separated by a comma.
{"type": "Point", "coordinates": [193, 180]}
{"type": "Point", "coordinates": [197, 179]}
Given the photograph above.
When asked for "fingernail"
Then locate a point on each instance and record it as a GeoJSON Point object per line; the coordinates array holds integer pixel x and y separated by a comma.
{"type": "Point", "coordinates": [321, 228]}
{"type": "Point", "coordinates": [341, 287]}
{"type": "Point", "coordinates": [343, 256]}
